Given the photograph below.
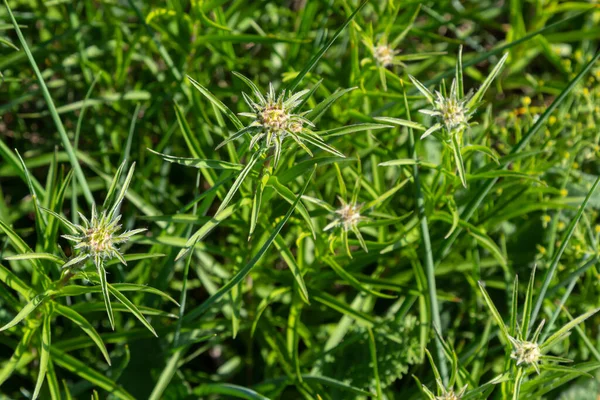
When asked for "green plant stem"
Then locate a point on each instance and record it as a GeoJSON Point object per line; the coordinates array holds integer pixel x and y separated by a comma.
{"type": "Point", "coordinates": [429, 264]}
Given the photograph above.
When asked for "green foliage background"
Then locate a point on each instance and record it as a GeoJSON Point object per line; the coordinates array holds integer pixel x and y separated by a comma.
{"type": "Point", "coordinates": [117, 74]}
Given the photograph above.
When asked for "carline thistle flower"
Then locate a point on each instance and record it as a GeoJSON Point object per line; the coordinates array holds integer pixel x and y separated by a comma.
{"type": "Point", "coordinates": [98, 238]}
{"type": "Point", "coordinates": [275, 118]}
{"type": "Point", "coordinates": [451, 394]}
{"type": "Point", "coordinates": [525, 352]}
{"type": "Point", "coordinates": [451, 112]}
{"type": "Point", "coordinates": [347, 216]}
{"type": "Point", "coordinates": [384, 54]}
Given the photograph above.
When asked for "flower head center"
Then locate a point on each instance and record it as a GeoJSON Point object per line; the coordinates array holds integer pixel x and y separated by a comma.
{"type": "Point", "coordinates": [349, 215]}
{"type": "Point", "coordinates": [526, 352]}
{"type": "Point", "coordinates": [99, 240]}
{"type": "Point", "coordinates": [384, 54]}
{"type": "Point", "coordinates": [450, 395]}
{"type": "Point", "coordinates": [453, 112]}
{"type": "Point", "coordinates": [274, 118]}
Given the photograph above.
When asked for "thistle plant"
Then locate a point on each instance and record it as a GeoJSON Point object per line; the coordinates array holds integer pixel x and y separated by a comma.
{"type": "Point", "coordinates": [453, 390]}
{"type": "Point", "coordinates": [276, 118]}
{"type": "Point", "coordinates": [98, 239]}
{"type": "Point", "coordinates": [384, 50]}
{"type": "Point", "coordinates": [452, 112]}
{"type": "Point", "coordinates": [525, 348]}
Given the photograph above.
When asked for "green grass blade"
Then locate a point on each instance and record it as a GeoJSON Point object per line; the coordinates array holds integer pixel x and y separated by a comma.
{"type": "Point", "coordinates": [549, 275]}
{"type": "Point", "coordinates": [88, 373]}
{"type": "Point", "coordinates": [241, 274]}
{"type": "Point", "coordinates": [50, 103]}
{"type": "Point", "coordinates": [315, 59]}
{"type": "Point", "coordinates": [85, 326]}
{"type": "Point", "coordinates": [27, 309]}
{"type": "Point", "coordinates": [131, 307]}
{"type": "Point", "coordinates": [44, 356]}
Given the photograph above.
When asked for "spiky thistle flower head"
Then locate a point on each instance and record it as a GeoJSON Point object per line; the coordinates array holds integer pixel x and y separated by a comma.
{"type": "Point", "coordinates": [276, 118]}
{"type": "Point", "coordinates": [99, 236]}
{"type": "Point", "coordinates": [451, 112]}
{"type": "Point", "coordinates": [347, 216]}
{"type": "Point", "coordinates": [384, 54]}
{"type": "Point", "coordinates": [525, 352]}
{"type": "Point", "coordinates": [451, 394]}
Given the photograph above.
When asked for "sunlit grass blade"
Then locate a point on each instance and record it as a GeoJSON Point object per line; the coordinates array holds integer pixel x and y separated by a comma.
{"type": "Point", "coordinates": [564, 331]}
{"type": "Point", "coordinates": [88, 373]}
{"type": "Point", "coordinates": [50, 103]}
{"type": "Point", "coordinates": [28, 309]}
{"type": "Point", "coordinates": [198, 162]}
{"type": "Point", "coordinates": [131, 307]}
{"type": "Point", "coordinates": [44, 355]}
{"type": "Point", "coordinates": [217, 103]}
{"type": "Point", "coordinates": [105, 294]}
{"type": "Point", "coordinates": [549, 275]}
{"type": "Point", "coordinates": [241, 274]}
{"type": "Point", "coordinates": [315, 59]}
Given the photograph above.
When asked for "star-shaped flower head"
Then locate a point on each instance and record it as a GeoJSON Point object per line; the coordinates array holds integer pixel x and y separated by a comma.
{"type": "Point", "coordinates": [529, 350]}
{"type": "Point", "coordinates": [98, 238]}
{"type": "Point", "coordinates": [347, 216]}
{"type": "Point", "coordinates": [453, 111]}
{"type": "Point", "coordinates": [100, 235]}
{"type": "Point", "coordinates": [275, 118]}
{"type": "Point", "coordinates": [384, 54]}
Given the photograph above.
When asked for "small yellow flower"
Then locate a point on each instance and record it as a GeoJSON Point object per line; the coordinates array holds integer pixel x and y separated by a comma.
{"type": "Point", "coordinates": [526, 101]}
{"type": "Point", "coordinates": [552, 120]}
{"type": "Point", "coordinates": [564, 192]}
{"type": "Point", "coordinates": [541, 249]}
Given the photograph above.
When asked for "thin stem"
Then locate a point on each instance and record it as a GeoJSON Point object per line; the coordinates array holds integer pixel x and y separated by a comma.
{"type": "Point", "coordinates": [429, 265]}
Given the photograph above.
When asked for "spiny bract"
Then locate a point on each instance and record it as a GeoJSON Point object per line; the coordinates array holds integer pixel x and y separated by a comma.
{"type": "Point", "coordinates": [276, 118]}
{"type": "Point", "coordinates": [99, 236]}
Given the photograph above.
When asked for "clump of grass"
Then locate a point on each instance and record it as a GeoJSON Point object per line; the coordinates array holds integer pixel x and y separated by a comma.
{"type": "Point", "coordinates": [317, 248]}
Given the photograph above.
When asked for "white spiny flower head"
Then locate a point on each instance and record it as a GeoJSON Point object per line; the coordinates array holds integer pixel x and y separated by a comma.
{"type": "Point", "coordinates": [451, 111]}
{"type": "Point", "coordinates": [451, 394]}
{"type": "Point", "coordinates": [99, 236]}
{"type": "Point", "coordinates": [446, 394]}
{"type": "Point", "coordinates": [347, 216]}
{"type": "Point", "coordinates": [276, 118]}
{"type": "Point", "coordinates": [384, 54]}
{"type": "Point", "coordinates": [525, 352]}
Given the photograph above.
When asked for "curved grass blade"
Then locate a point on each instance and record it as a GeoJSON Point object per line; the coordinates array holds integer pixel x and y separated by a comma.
{"type": "Point", "coordinates": [86, 372]}
{"type": "Point", "coordinates": [131, 307]}
{"type": "Point", "coordinates": [50, 103]}
{"type": "Point", "coordinates": [549, 275]}
{"type": "Point", "coordinates": [21, 349]}
{"type": "Point", "coordinates": [228, 389]}
{"type": "Point", "coordinates": [44, 356]}
{"type": "Point", "coordinates": [217, 103]}
{"type": "Point", "coordinates": [199, 162]}
{"type": "Point", "coordinates": [289, 259]}
{"type": "Point", "coordinates": [85, 326]}
{"type": "Point", "coordinates": [22, 247]}
{"type": "Point", "coordinates": [352, 281]}
{"type": "Point", "coordinates": [311, 64]}
{"type": "Point", "coordinates": [241, 274]}
{"type": "Point", "coordinates": [28, 309]}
